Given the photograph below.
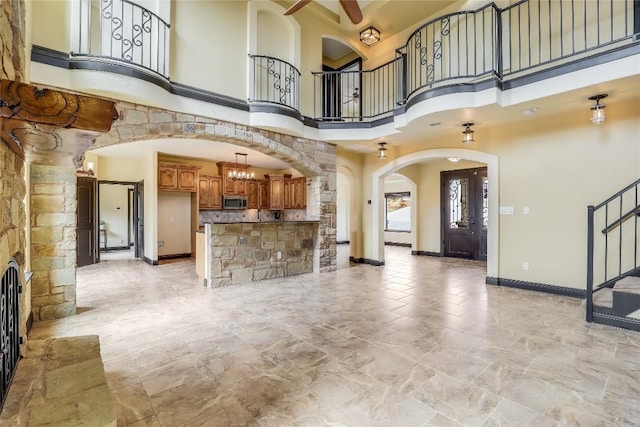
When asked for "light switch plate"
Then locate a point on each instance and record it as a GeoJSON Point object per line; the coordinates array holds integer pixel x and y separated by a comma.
{"type": "Point", "coordinates": [525, 210]}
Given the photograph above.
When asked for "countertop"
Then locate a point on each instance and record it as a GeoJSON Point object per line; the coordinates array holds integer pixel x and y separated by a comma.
{"type": "Point", "coordinates": [265, 222]}
{"type": "Point", "coordinates": [300, 221]}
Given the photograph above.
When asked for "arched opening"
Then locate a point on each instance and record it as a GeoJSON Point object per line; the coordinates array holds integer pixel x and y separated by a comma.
{"type": "Point", "coordinates": [341, 80]}
{"type": "Point", "coordinates": [375, 246]}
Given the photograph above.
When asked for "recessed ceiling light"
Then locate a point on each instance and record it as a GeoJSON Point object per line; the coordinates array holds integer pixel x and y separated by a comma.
{"type": "Point", "coordinates": [453, 159]}
{"type": "Point", "coordinates": [530, 111]}
{"type": "Point", "coordinates": [435, 124]}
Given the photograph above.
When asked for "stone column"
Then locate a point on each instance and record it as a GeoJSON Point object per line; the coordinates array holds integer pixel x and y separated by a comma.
{"type": "Point", "coordinates": [53, 241]}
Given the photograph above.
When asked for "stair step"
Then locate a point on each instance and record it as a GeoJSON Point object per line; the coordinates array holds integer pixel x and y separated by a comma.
{"type": "Point", "coordinates": [629, 285]}
{"type": "Point", "coordinates": [635, 314]}
{"type": "Point", "coordinates": [603, 298]}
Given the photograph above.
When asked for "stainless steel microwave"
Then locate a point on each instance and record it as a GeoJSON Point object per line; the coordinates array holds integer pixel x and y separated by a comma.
{"type": "Point", "coordinates": [234, 202]}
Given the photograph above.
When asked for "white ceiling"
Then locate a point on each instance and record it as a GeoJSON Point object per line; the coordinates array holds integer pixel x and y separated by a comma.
{"type": "Point", "coordinates": [193, 149]}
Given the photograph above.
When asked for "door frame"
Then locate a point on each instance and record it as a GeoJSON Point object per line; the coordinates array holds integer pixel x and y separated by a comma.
{"type": "Point", "coordinates": [134, 215]}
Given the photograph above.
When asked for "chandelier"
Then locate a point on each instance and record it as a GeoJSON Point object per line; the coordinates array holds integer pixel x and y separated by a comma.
{"type": "Point", "coordinates": [241, 175]}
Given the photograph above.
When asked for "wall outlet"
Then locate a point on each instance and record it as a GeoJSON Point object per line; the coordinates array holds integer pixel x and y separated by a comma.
{"type": "Point", "coordinates": [279, 255]}
{"type": "Point", "coordinates": [525, 266]}
{"type": "Point", "coordinates": [242, 240]}
{"type": "Point", "coordinates": [161, 243]}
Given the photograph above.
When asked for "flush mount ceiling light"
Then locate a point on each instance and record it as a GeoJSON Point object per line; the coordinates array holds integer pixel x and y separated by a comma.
{"type": "Point", "coordinates": [370, 36]}
{"type": "Point", "coordinates": [453, 159]}
{"type": "Point", "coordinates": [382, 151]}
{"type": "Point", "coordinates": [597, 109]}
{"type": "Point", "coordinates": [238, 174]}
{"type": "Point", "coordinates": [468, 133]}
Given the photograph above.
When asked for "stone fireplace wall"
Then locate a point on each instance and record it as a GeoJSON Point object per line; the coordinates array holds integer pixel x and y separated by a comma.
{"type": "Point", "coordinates": [12, 33]}
{"type": "Point", "coordinates": [53, 241]}
{"type": "Point", "coordinates": [12, 166]}
{"type": "Point", "coordinates": [13, 220]}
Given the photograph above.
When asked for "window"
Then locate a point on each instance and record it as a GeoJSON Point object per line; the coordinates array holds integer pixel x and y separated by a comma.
{"type": "Point", "coordinates": [397, 212]}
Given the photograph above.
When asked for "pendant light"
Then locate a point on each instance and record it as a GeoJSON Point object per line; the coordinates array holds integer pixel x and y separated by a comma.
{"type": "Point", "coordinates": [468, 133]}
{"type": "Point", "coordinates": [597, 109]}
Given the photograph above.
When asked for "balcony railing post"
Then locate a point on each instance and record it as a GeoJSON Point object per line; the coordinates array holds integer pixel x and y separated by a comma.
{"type": "Point", "coordinates": [498, 46]}
{"type": "Point", "coordinates": [590, 236]}
{"type": "Point", "coordinates": [636, 18]}
{"type": "Point", "coordinates": [403, 76]}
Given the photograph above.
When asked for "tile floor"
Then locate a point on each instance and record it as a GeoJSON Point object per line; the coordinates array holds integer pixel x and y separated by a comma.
{"type": "Point", "coordinates": [419, 342]}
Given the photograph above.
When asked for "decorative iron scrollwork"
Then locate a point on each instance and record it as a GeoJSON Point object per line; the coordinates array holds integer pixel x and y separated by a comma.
{"type": "Point", "coordinates": [106, 9]}
{"type": "Point", "coordinates": [458, 203]}
{"type": "Point", "coordinates": [422, 49]}
{"type": "Point", "coordinates": [289, 80]}
{"type": "Point", "coordinates": [146, 21]}
{"type": "Point", "coordinates": [430, 72]}
{"type": "Point", "coordinates": [437, 49]}
{"type": "Point", "coordinates": [445, 23]}
{"type": "Point", "coordinates": [9, 331]}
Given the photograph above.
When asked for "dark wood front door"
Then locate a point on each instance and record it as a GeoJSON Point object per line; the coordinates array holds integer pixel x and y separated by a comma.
{"type": "Point", "coordinates": [465, 213]}
{"type": "Point", "coordinates": [86, 234]}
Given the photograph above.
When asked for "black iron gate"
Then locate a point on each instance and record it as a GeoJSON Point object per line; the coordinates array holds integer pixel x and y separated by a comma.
{"type": "Point", "coordinates": [9, 328]}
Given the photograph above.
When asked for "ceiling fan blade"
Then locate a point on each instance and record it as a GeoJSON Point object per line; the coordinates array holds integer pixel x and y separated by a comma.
{"type": "Point", "coordinates": [352, 10]}
{"type": "Point", "coordinates": [296, 7]}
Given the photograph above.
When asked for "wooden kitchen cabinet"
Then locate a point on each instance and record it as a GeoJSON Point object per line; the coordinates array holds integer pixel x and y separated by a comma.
{"type": "Point", "coordinates": [177, 177]}
{"type": "Point", "coordinates": [276, 192]}
{"type": "Point", "coordinates": [230, 186]}
{"type": "Point", "coordinates": [263, 189]}
{"type": "Point", "coordinates": [253, 195]}
{"type": "Point", "coordinates": [299, 192]}
{"type": "Point", "coordinates": [295, 193]}
{"type": "Point", "coordinates": [287, 194]}
{"type": "Point", "coordinates": [210, 192]}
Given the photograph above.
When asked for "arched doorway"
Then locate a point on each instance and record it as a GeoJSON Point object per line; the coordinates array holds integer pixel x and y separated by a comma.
{"type": "Point", "coordinates": [375, 244]}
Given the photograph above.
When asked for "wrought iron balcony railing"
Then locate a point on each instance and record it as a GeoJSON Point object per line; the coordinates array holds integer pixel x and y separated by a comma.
{"type": "Point", "coordinates": [274, 82]}
{"type": "Point", "coordinates": [357, 95]}
{"type": "Point", "coordinates": [464, 47]}
{"type": "Point", "coordinates": [123, 32]}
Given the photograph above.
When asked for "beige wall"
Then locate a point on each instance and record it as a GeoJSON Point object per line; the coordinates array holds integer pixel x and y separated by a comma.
{"type": "Point", "coordinates": [274, 38]}
{"type": "Point", "coordinates": [209, 45]}
{"type": "Point", "coordinates": [174, 222]}
{"type": "Point", "coordinates": [343, 197]}
{"type": "Point", "coordinates": [51, 24]}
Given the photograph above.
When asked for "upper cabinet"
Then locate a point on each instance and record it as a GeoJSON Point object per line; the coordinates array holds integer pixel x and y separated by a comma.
{"type": "Point", "coordinates": [276, 191]}
{"type": "Point", "coordinates": [177, 177]}
{"type": "Point", "coordinates": [253, 195]}
{"type": "Point", "coordinates": [295, 193]}
{"type": "Point", "coordinates": [210, 192]}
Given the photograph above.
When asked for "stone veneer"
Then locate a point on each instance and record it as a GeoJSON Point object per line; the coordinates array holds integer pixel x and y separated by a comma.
{"type": "Point", "coordinates": [314, 159]}
{"type": "Point", "coordinates": [12, 29]}
{"type": "Point", "coordinates": [247, 252]}
{"type": "Point", "coordinates": [12, 181]}
{"type": "Point", "coordinates": [53, 241]}
{"type": "Point", "coordinates": [13, 220]}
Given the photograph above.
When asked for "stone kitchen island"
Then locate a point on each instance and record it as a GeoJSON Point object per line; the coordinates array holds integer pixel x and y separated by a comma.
{"type": "Point", "coordinates": [243, 252]}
